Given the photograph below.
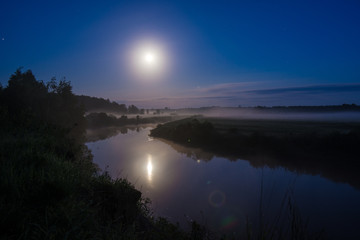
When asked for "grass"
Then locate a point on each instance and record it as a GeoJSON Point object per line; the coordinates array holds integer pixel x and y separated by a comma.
{"type": "Point", "coordinates": [327, 148]}
{"type": "Point", "coordinates": [281, 127]}
{"type": "Point", "coordinates": [245, 136]}
{"type": "Point", "coordinates": [50, 189]}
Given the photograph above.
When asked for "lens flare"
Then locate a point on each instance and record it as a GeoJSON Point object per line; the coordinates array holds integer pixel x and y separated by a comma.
{"type": "Point", "coordinates": [229, 222]}
{"type": "Point", "coordinates": [217, 199]}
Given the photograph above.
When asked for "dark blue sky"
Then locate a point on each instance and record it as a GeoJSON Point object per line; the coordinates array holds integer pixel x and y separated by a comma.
{"type": "Point", "coordinates": [225, 53]}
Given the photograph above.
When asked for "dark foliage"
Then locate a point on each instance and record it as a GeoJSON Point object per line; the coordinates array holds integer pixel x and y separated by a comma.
{"type": "Point", "coordinates": [28, 103]}
{"type": "Point", "coordinates": [189, 131]}
{"type": "Point", "coordinates": [94, 104]}
{"type": "Point", "coordinates": [100, 120]}
{"type": "Point", "coordinates": [133, 110]}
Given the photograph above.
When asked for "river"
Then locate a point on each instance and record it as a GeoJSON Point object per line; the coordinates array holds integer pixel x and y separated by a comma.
{"type": "Point", "coordinates": [227, 195]}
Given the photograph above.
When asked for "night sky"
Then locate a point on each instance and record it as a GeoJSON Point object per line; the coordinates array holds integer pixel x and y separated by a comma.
{"type": "Point", "coordinates": [223, 53]}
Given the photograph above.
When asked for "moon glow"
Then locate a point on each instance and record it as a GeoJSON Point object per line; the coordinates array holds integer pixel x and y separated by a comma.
{"type": "Point", "coordinates": [149, 58]}
{"type": "Point", "coordinates": [148, 61]}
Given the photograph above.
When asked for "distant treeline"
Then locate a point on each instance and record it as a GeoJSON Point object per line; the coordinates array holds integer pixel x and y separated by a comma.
{"type": "Point", "coordinates": [325, 108]}
{"type": "Point", "coordinates": [99, 120]}
{"type": "Point", "coordinates": [94, 104]}
{"type": "Point", "coordinates": [274, 109]}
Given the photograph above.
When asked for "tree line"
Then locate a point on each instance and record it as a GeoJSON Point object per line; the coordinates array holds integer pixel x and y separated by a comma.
{"type": "Point", "coordinates": [94, 104]}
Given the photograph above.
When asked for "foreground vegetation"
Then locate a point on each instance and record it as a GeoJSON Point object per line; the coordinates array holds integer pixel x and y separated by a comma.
{"type": "Point", "coordinates": [49, 187]}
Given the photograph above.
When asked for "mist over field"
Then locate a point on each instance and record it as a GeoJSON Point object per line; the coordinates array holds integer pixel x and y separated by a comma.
{"type": "Point", "coordinates": [275, 114]}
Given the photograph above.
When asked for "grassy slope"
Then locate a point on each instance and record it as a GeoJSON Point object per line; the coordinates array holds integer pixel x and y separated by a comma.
{"type": "Point", "coordinates": [282, 127]}
{"type": "Point", "coordinates": [327, 148]}
{"type": "Point", "coordinates": [50, 189]}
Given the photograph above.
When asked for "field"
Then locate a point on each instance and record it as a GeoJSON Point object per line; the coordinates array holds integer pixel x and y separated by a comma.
{"type": "Point", "coordinates": [280, 127]}
{"type": "Point", "coordinates": [330, 149]}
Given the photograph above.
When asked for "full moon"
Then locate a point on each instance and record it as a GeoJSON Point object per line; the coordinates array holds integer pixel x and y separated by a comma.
{"type": "Point", "coordinates": [148, 60]}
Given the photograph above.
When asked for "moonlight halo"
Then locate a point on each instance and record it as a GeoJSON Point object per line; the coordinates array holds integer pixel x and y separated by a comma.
{"type": "Point", "coordinates": [148, 60]}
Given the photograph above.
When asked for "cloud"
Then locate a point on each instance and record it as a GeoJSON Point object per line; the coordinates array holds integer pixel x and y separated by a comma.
{"type": "Point", "coordinates": [228, 88]}
{"type": "Point", "coordinates": [335, 88]}
{"type": "Point", "coordinates": [250, 94]}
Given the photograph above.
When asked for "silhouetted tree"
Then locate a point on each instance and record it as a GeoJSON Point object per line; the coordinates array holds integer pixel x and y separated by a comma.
{"type": "Point", "coordinates": [30, 102]}
{"type": "Point", "coordinates": [93, 104]}
{"type": "Point", "coordinates": [24, 96]}
{"type": "Point", "coordinates": [132, 109]}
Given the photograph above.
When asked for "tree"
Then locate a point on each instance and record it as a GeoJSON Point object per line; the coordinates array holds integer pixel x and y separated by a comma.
{"type": "Point", "coordinates": [24, 96]}
{"type": "Point", "coordinates": [93, 104]}
{"type": "Point", "coordinates": [65, 109]}
{"type": "Point", "coordinates": [132, 109]}
{"type": "Point", "coordinates": [30, 102]}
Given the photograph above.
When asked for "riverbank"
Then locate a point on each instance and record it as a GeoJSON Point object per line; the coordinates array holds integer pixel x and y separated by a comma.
{"type": "Point", "coordinates": [330, 149]}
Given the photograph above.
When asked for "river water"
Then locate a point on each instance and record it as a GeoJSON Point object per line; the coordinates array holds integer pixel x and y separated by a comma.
{"type": "Point", "coordinates": [227, 196]}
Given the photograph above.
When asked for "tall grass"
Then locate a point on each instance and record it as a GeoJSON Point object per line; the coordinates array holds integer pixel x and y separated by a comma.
{"type": "Point", "coordinates": [286, 223]}
{"type": "Point", "coordinates": [50, 189]}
